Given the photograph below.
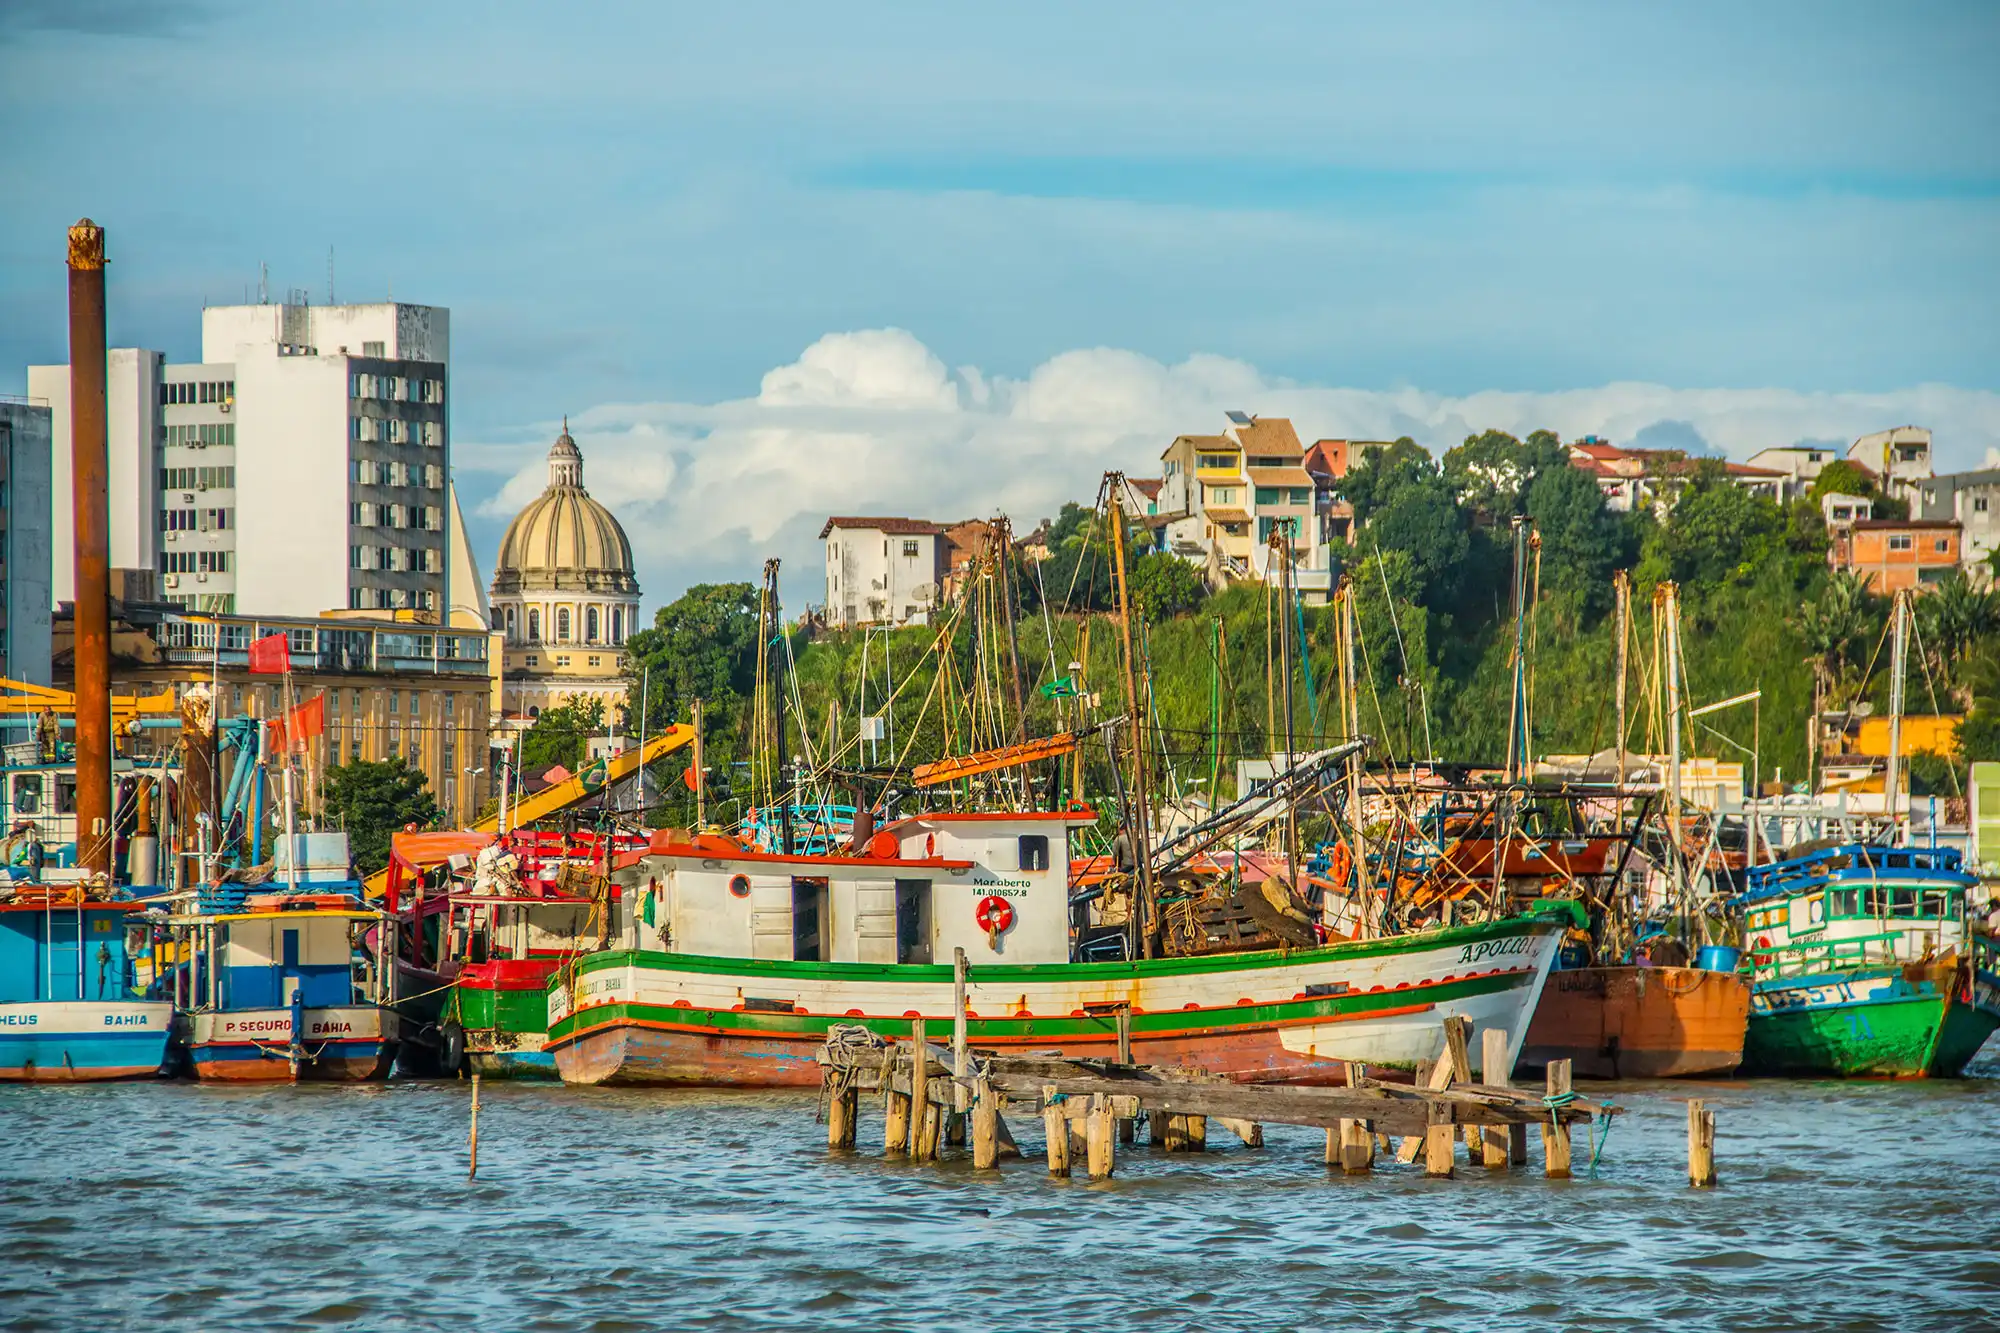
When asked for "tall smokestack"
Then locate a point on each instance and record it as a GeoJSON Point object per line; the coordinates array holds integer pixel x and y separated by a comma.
{"type": "Point", "coordinates": [90, 468]}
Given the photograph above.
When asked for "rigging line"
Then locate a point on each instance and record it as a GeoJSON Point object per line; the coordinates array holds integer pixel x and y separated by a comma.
{"type": "Point", "coordinates": [1930, 683]}
{"type": "Point", "coordinates": [1305, 658]}
{"type": "Point", "coordinates": [1403, 653]}
{"type": "Point", "coordinates": [1368, 669]}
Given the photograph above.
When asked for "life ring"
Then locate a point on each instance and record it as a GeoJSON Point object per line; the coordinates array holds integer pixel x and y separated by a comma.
{"type": "Point", "coordinates": [994, 914]}
{"type": "Point", "coordinates": [1343, 865]}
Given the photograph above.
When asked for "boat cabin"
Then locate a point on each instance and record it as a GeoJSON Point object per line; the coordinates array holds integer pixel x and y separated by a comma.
{"type": "Point", "coordinates": [57, 946]}
{"type": "Point", "coordinates": [1855, 905]}
{"type": "Point", "coordinates": [995, 885]}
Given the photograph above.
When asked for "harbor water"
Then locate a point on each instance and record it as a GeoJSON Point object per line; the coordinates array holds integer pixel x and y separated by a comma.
{"type": "Point", "coordinates": [165, 1206]}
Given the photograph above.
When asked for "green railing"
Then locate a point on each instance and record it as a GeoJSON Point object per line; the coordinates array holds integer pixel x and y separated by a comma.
{"type": "Point", "coordinates": [1795, 960]}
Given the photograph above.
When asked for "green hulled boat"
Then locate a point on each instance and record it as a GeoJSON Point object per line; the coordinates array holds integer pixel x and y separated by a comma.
{"type": "Point", "coordinates": [1865, 965]}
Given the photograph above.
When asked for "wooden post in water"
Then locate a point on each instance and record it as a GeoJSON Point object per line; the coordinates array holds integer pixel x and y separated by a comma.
{"type": "Point", "coordinates": [1355, 1151]}
{"type": "Point", "coordinates": [985, 1128]}
{"type": "Point", "coordinates": [472, 1168]}
{"type": "Point", "coordinates": [1101, 1139]}
{"type": "Point", "coordinates": [1495, 1142]}
{"type": "Point", "coordinates": [1555, 1134]}
{"type": "Point", "coordinates": [1701, 1145]}
{"type": "Point", "coordinates": [1128, 1126]}
{"type": "Point", "coordinates": [1172, 1131]}
{"type": "Point", "coordinates": [1055, 1126]}
{"type": "Point", "coordinates": [1197, 1134]}
{"type": "Point", "coordinates": [961, 1058]}
{"type": "Point", "coordinates": [922, 1133]}
{"type": "Point", "coordinates": [1436, 1076]}
{"type": "Point", "coordinates": [1440, 1149]}
{"type": "Point", "coordinates": [843, 1110]}
{"type": "Point", "coordinates": [896, 1130]}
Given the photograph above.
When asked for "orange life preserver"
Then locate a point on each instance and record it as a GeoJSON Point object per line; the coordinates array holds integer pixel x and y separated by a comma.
{"type": "Point", "coordinates": [1343, 865]}
{"type": "Point", "coordinates": [994, 915]}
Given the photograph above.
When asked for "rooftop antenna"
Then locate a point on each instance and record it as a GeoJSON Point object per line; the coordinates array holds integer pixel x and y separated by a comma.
{"type": "Point", "coordinates": [263, 283]}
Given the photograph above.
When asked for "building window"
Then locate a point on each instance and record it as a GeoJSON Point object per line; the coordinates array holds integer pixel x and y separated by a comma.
{"type": "Point", "coordinates": [1901, 543]}
{"type": "Point", "coordinates": [1941, 546]}
{"type": "Point", "coordinates": [534, 626]}
{"type": "Point", "coordinates": [562, 625]}
{"type": "Point", "coordinates": [909, 550]}
{"type": "Point", "coordinates": [1978, 504]}
{"type": "Point", "coordinates": [617, 624]}
{"type": "Point", "coordinates": [593, 660]}
{"type": "Point", "coordinates": [591, 628]}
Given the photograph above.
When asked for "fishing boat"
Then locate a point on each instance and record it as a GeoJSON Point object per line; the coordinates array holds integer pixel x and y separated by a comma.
{"type": "Point", "coordinates": [284, 983]}
{"type": "Point", "coordinates": [526, 905]}
{"type": "Point", "coordinates": [1864, 964]}
{"type": "Point", "coordinates": [732, 964]}
{"type": "Point", "coordinates": [70, 1006]}
{"type": "Point", "coordinates": [1640, 1022]}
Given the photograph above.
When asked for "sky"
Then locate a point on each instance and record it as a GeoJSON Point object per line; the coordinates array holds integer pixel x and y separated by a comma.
{"type": "Point", "coordinates": [781, 261]}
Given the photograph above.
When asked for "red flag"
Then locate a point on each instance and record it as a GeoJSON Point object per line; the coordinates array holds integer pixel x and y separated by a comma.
{"type": "Point", "coordinates": [297, 727]}
{"type": "Point", "coordinates": [271, 656]}
{"type": "Point", "coordinates": [688, 778]}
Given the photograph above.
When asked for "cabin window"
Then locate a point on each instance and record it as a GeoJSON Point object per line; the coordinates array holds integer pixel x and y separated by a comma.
{"type": "Point", "coordinates": [1933, 903]}
{"type": "Point", "coordinates": [65, 793]}
{"type": "Point", "coordinates": [27, 799]}
{"type": "Point", "coordinates": [1843, 902]}
{"type": "Point", "coordinates": [1035, 852]}
{"type": "Point", "coordinates": [913, 921]}
{"type": "Point", "coordinates": [1816, 910]}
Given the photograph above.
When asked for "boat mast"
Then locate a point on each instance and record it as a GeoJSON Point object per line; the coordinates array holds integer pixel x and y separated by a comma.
{"type": "Point", "coordinates": [1670, 610]}
{"type": "Point", "coordinates": [1898, 667]}
{"type": "Point", "coordinates": [1279, 553]}
{"type": "Point", "coordinates": [1621, 588]}
{"type": "Point", "coordinates": [1136, 810]}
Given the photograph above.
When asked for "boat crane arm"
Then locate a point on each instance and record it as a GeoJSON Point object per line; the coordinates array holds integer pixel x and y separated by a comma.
{"type": "Point", "coordinates": [555, 799]}
{"type": "Point", "coordinates": [953, 767]}
{"type": "Point", "coordinates": [1302, 779]}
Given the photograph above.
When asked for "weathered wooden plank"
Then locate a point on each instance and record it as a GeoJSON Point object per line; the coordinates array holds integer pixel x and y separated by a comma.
{"type": "Point", "coordinates": [1555, 1132]}
{"type": "Point", "coordinates": [1055, 1128]}
{"type": "Point", "coordinates": [1701, 1145]}
{"type": "Point", "coordinates": [985, 1127]}
{"type": "Point", "coordinates": [1440, 1151]}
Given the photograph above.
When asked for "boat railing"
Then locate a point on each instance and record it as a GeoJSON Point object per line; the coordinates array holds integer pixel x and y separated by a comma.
{"type": "Point", "coordinates": [1782, 961]}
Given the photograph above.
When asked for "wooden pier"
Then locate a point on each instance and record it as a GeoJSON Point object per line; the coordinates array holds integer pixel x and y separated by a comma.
{"type": "Point", "coordinates": [1089, 1107]}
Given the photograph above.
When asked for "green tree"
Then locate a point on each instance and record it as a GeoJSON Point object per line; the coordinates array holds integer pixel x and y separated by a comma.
{"type": "Point", "coordinates": [1716, 533]}
{"type": "Point", "coordinates": [703, 645]}
{"type": "Point", "coordinates": [372, 800]}
{"type": "Point", "coordinates": [1951, 620]}
{"type": "Point", "coordinates": [1840, 628]}
{"type": "Point", "coordinates": [561, 735]}
{"type": "Point", "coordinates": [1381, 472]}
{"type": "Point", "coordinates": [1491, 473]}
{"type": "Point", "coordinates": [1582, 541]}
{"type": "Point", "coordinates": [1841, 477]}
{"type": "Point", "coordinates": [1164, 586]}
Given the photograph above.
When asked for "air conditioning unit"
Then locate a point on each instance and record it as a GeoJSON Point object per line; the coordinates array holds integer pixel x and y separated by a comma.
{"type": "Point", "coordinates": [173, 537]}
{"type": "Point", "coordinates": [201, 577]}
{"type": "Point", "coordinates": [173, 580]}
{"type": "Point", "coordinates": [201, 485]}
{"type": "Point", "coordinates": [226, 403]}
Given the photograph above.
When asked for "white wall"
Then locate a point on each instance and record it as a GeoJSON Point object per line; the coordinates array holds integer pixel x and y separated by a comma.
{"type": "Point", "coordinates": [291, 484]}
{"type": "Point", "coordinates": [406, 332]}
{"type": "Point", "coordinates": [132, 397]}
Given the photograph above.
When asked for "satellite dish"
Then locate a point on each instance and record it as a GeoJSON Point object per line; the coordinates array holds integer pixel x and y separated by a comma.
{"type": "Point", "coordinates": [923, 592]}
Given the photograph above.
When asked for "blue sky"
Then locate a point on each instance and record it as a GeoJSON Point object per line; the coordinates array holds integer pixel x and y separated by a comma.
{"type": "Point", "coordinates": [658, 204]}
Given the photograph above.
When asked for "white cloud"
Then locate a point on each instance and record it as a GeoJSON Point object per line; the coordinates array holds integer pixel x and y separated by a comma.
{"type": "Point", "coordinates": [872, 422]}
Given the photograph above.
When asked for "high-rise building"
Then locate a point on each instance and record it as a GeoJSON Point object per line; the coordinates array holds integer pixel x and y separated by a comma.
{"type": "Point", "coordinates": [301, 467]}
{"type": "Point", "coordinates": [26, 444]}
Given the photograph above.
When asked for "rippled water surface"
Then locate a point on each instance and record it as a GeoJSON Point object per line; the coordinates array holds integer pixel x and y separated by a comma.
{"type": "Point", "coordinates": [168, 1206]}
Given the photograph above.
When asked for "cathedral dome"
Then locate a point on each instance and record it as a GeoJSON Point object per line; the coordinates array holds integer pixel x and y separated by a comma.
{"type": "Point", "coordinates": [564, 540]}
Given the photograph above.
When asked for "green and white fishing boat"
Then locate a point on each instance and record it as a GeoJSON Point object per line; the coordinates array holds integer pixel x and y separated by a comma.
{"type": "Point", "coordinates": [736, 962]}
{"type": "Point", "coordinates": [1865, 964]}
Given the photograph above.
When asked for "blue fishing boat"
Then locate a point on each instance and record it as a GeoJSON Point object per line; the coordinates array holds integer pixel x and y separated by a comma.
{"type": "Point", "coordinates": [284, 983]}
{"type": "Point", "coordinates": [70, 1010]}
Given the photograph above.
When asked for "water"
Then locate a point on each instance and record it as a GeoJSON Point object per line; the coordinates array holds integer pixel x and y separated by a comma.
{"type": "Point", "coordinates": [170, 1206]}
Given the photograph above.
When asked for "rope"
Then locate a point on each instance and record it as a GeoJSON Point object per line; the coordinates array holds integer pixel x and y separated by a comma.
{"type": "Point", "coordinates": [1598, 1141]}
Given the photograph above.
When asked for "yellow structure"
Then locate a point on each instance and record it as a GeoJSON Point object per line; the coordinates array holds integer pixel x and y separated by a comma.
{"type": "Point", "coordinates": [1937, 733]}
{"type": "Point", "coordinates": [564, 596]}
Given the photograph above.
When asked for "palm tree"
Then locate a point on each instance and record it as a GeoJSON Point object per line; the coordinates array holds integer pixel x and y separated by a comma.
{"type": "Point", "coordinates": [1840, 628]}
{"type": "Point", "coordinates": [1952, 620]}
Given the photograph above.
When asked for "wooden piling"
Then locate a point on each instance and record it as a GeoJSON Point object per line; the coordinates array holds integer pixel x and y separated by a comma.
{"type": "Point", "coordinates": [472, 1167]}
{"type": "Point", "coordinates": [896, 1130]}
{"type": "Point", "coordinates": [1249, 1131]}
{"type": "Point", "coordinates": [843, 1109]}
{"type": "Point", "coordinates": [1357, 1147]}
{"type": "Point", "coordinates": [1440, 1152]}
{"type": "Point", "coordinates": [1101, 1138]}
{"type": "Point", "coordinates": [923, 1133]}
{"type": "Point", "coordinates": [1055, 1126]}
{"type": "Point", "coordinates": [1555, 1134]}
{"type": "Point", "coordinates": [985, 1127]}
{"type": "Point", "coordinates": [1496, 1141]}
{"type": "Point", "coordinates": [1171, 1131]}
{"type": "Point", "coordinates": [1197, 1134]}
{"type": "Point", "coordinates": [1128, 1126]}
{"type": "Point", "coordinates": [1434, 1075]}
{"type": "Point", "coordinates": [1701, 1145]}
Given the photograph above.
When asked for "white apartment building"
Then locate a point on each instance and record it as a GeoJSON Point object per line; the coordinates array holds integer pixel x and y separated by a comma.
{"type": "Point", "coordinates": [1225, 496]}
{"type": "Point", "coordinates": [1900, 457]}
{"type": "Point", "coordinates": [1800, 463]}
{"type": "Point", "coordinates": [882, 571]}
{"type": "Point", "coordinates": [301, 467]}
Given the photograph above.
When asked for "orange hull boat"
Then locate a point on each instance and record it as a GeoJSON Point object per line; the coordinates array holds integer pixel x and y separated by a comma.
{"type": "Point", "coordinates": [1640, 1022]}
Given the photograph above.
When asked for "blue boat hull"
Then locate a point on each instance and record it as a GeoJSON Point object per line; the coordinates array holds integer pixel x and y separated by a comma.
{"type": "Point", "coordinates": [77, 1041]}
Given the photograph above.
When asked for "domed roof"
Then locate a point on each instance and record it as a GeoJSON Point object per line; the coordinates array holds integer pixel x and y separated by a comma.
{"type": "Point", "coordinates": [564, 540]}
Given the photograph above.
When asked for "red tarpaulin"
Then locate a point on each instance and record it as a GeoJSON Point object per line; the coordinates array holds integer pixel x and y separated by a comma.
{"type": "Point", "coordinates": [271, 656]}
